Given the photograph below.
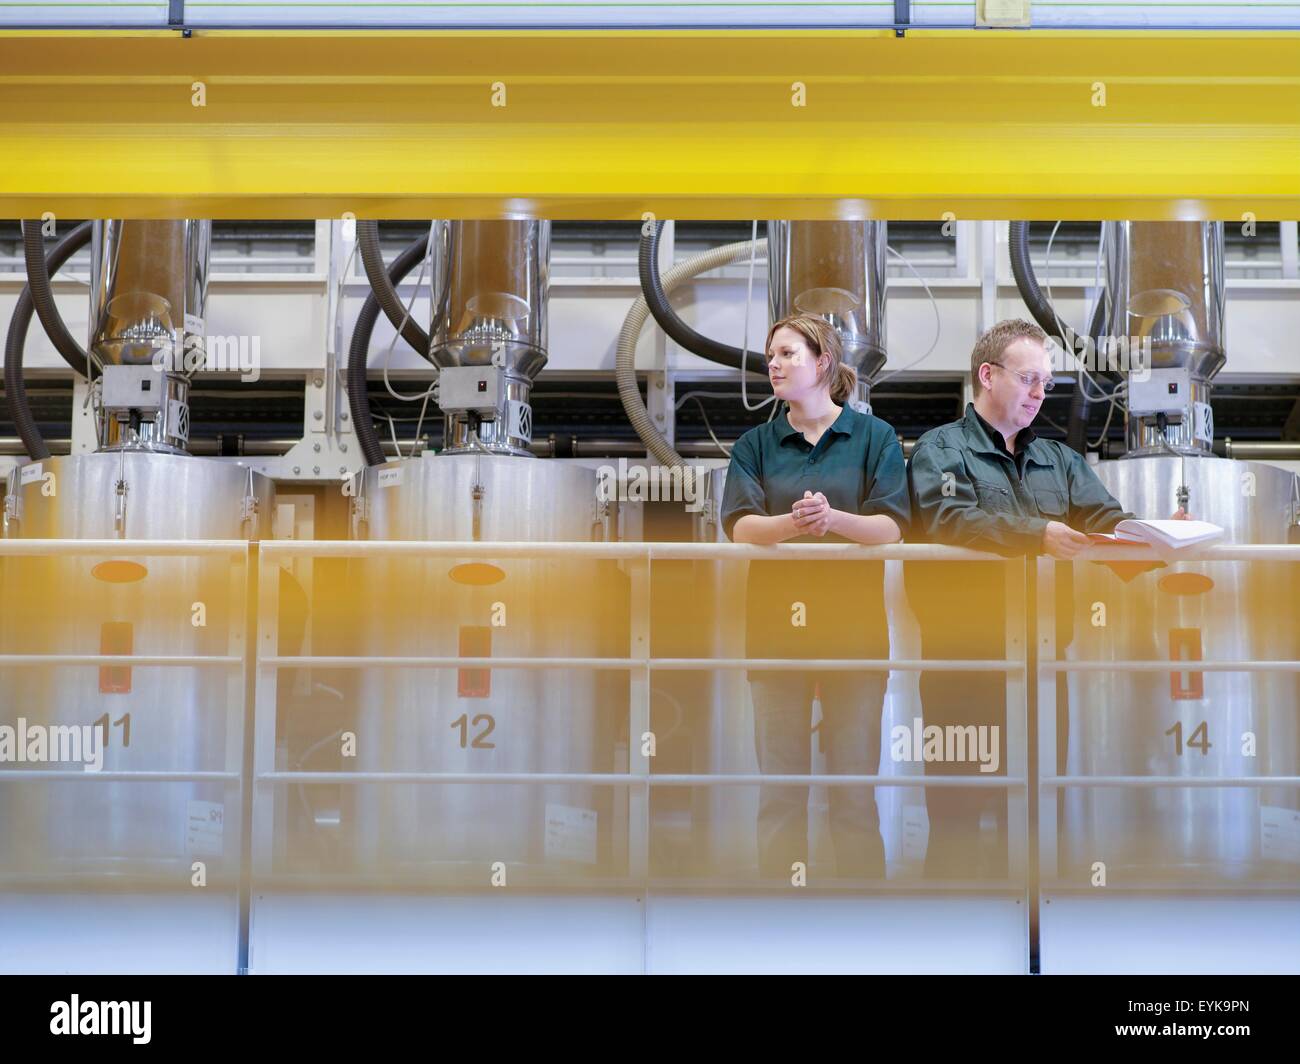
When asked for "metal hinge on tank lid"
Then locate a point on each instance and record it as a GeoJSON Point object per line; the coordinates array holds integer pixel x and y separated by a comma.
{"type": "Point", "coordinates": [359, 514]}
{"type": "Point", "coordinates": [601, 516]}
{"type": "Point", "coordinates": [119, 505]}
{"type": "Point", "coordinates": [248, 509]}
{"type": "Point", "coordinates": [13, 512]}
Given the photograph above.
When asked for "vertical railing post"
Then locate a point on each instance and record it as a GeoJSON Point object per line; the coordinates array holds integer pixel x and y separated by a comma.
{"type": "Point", "coordinates": [1047, 652]}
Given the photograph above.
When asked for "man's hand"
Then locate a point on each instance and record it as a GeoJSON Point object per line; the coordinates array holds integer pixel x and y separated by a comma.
{"type": "Point", "coordinates": [1181, 515]}
{"type": "Point", "coordinates": [1061, 541]}
{"type": "Point", "coordinates": [812, 514]}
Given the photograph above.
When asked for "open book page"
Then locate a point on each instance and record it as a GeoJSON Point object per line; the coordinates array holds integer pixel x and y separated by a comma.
{"type": "Point", "coordinates": [1169, 534]}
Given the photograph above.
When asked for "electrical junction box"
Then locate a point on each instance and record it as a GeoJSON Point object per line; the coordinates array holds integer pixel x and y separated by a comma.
{"type": "Point", "coordinates": [1165, 391]}
{"type": "Point", "coordinates": [474, 388]}
{"type": "Point", "coordinates": [133, 388]}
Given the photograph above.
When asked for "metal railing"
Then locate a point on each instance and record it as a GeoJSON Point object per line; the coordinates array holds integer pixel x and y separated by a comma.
{"type": "Point", "coordinates": [637, 560]}
{"type": "Point", "coordinates": [235, 664]}
{"type": "Point", "coordinates": [1049, 666]}
{"type": "Point", "coordinates": [1026, 663]}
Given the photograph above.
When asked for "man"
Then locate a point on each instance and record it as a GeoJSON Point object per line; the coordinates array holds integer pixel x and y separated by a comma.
{"type": "Point", "coordinates": [988, 482]}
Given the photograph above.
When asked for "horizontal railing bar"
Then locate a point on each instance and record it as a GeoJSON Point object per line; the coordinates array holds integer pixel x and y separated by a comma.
{"type": "Point", "coordinates": [663, 551]}
{"type": "Point", "coordinates": [661, 664]}
{"type": "Point", "coordinates": [119, 659]}
{"type": "Point", "coordinates": [1170, 781]}
{"type": "Point", "coordinates": [1169, 666]}
{"type": "Point", "coordinates": [115, 776]}
{"type": "Point", "coordinates": [749, 551]}
{"type": "Point", "coordinates": [142, 547]}
{"type": "Point", "coordinates": [623, 779]}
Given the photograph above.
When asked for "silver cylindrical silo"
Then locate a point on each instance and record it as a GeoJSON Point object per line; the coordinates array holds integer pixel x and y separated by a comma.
{"type": "Point", "coordinates": [475, 720]}
{"type": "Point", "coordinates": [1184, 722]}
{"type": "Point", "coordinates": [149, 718]}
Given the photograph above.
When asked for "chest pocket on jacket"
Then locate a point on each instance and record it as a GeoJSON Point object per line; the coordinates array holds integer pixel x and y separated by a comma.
{"type": "Point", "coordinates": [1051, 503]}
{"type": "Point", "coordinates": [992, 496]}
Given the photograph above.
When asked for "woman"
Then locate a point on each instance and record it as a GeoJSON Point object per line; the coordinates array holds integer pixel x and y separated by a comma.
{"type": "Point", "coordinates": [819, 472]}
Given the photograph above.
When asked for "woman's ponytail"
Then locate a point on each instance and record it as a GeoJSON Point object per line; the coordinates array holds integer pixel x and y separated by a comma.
{"type": "Point", "coordinates": [845, 385]}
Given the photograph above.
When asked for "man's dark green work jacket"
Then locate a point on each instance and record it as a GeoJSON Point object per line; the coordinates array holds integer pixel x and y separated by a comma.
{"type": "Point", "coordinates": [831, 609]}
{"type": "Point", "coordinates": [969, 491]}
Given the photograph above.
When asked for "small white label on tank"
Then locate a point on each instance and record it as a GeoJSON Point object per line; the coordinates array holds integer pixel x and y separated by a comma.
{"type": "Point", "coordinates": [193, 323]}
{"type": "Point", "coordinates": [389, 477]}
{"type": "Point", "coordinates": [916, 832]}
{"type": "Point", "coordinates": [1279, 834]}
{"type": "Point", "coordinates": [204, 831]}
{"type": "Point", "coordinates": [29, 473]}
{"type": "Point", "coordinates": [570, 833]}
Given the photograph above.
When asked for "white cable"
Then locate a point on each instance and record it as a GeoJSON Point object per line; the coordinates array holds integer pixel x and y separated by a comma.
{"type": "Point", "coordinates": [415, 440]}
{"type": "Point", "coordinates": [938, 322]}
{"type": "Point", "coordinates": [343, 288]}
{"type": "Point", "coordinates": [1062, 329]}
{"type": "Point", "coordinates": [393, 430]}
{"type": "Point", "coordinates": [744, 350]}
{"type": "Point", "coordinates": [388, 354]}
{"type": "Point", "coordinates": [1109, 414]}
{"type": "Point", "coordinates": [721, 446]}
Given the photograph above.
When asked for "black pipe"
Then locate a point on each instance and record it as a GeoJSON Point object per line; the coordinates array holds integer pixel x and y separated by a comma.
{"type": "Point", "coordinates": [372, 259]}
{"type": "Point", "coordinates": [15, 391]}
{"type": "Point", "coordinates": [358, 401]}
{"type": "Point", "coordinates": [38, 280]}
{"type": "Point", "coordinates": [681, 333]}
{"type": "Point", "coordinates": [1076, 436]}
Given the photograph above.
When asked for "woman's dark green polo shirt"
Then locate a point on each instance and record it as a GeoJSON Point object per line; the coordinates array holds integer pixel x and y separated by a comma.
{"type": "Point", "coordinates": [858, 465]}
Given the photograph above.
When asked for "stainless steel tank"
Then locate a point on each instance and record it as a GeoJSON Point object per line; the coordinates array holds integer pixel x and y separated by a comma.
{"type": "Point", "coordinates": [176, 719]}
{"type": "Point", "coordinates": [1184, 723]}
{"type": "Point", "coordinates": [486, 720]}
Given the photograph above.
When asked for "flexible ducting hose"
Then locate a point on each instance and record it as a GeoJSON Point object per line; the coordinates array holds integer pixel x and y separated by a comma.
{"type": "Point", "coordinates": [625, 358]}
{"type": "Point", "coordinates": [38, 280]}
{"type": "Point", "coordinates": [653, 291]}
{"type": "Point", "coordinates": [358, 402]}
{"type": "Point", "coordinates": [1076, 436]}
{"type": "Point", "coordinates": [373, 261]}
{"type": "Point", "coordinates": [15, 391]}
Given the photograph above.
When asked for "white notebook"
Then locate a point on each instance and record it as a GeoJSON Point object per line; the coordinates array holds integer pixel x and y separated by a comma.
{"type": "Point", "coordinates": [1171, 535]}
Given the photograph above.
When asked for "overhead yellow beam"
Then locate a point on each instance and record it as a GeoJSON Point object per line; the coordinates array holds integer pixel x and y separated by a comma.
{"type": "Point", "coordinates": [684, 124]}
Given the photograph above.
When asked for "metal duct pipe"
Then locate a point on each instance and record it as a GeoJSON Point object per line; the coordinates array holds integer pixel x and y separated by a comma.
{"type": "Point", "coordinates": [490, 345]}
{"type": "Point", "coordinates": [837, 271]}
{"type": "Point", "coordinates": [148, 299]}
{"type": "Point", "coordinates": [1165, 281]}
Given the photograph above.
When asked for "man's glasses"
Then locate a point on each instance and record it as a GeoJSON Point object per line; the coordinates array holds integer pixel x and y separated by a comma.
{"type": "Point", "coordinates": [1028, 379]}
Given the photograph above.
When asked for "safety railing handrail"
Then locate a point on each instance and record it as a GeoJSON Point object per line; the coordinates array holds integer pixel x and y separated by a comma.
{"type": "Point", "coordinates": [751, 552]}
{"type": "Point", "coordinates": [25, 548]}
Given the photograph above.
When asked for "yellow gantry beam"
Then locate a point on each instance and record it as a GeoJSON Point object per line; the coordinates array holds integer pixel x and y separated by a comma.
{"type": "Point", "coordinates": [684, 124]}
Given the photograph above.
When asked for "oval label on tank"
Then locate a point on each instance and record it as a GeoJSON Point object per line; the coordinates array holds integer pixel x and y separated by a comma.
{"type": "Point", "coordinates": [1185, 583]}
{"type": "Point", "coordinates": [476, 573]}
{"type": "Point", "coordinates": [119, 571]}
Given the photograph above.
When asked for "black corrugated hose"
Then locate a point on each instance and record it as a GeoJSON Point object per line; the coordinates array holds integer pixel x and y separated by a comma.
{"type": "Point", "coordinates": [681, 333]}
{"type": "Point", "coordinates": [36, 297]}
{"type": "Point", "coordinates": [362, 421]}
{"type": "Point", "coordinates": [1076, 436]}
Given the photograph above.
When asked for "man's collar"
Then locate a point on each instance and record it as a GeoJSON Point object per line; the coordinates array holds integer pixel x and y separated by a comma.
{"type": "Point", "coordinates": [986, 437]}
{"type": "Point", "coordinates": [841, 425]}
